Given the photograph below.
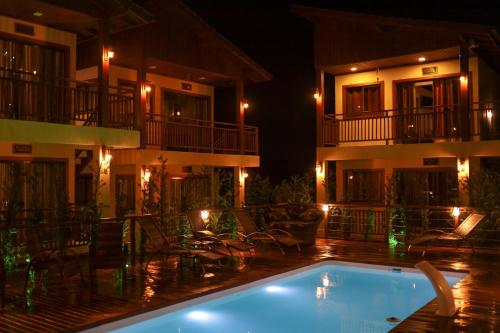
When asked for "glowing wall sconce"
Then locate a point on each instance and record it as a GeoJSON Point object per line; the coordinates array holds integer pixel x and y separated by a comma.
{"type": "Point", "coordinates": [105, 160]}
{"type": "Point", "coordinates": [148, 88]}
{"type": "Point", "coordinates": [455, 212]}
{"type": "Point", "coordinates": [245, 105]}
{"type": "Point", "coordinates": [489, 114]}
{"type": "Point", "coordinates": [244, 174]}
{"type": "Point", "coordinates": [204, 215]}
{"type": "Point", "coordinates": [462, 166]}
{"type": "Point", "coordinates": [325, 208]}
{"type": "Point", "coordinates": [108, 54]}
{"type": "Point", "coordinates": [317, 95]}
{"type": "Point", "coordinates": [146, 174]}
{"type": "Point", "coordinates": [319, 167]}
{"type": "Point", "coordinates": [463, 79]}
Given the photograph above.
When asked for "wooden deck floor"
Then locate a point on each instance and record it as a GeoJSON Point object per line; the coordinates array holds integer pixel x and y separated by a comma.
{"type": "Point", "coordinates": [75, 307]}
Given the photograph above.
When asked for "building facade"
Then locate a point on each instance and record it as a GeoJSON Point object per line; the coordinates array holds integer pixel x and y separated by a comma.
{"type": "Point", "coordinates": [116, 86]}
{"type": "Point", "coordinates": [407, 109]}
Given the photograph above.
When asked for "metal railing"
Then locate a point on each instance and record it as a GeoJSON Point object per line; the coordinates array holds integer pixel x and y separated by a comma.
{"type": "Point", "coordinates": [26, 96]}
{"type": "Point", "coordinates": [413, 125]}
{"type": "Point", "coordinates": [175, 133]}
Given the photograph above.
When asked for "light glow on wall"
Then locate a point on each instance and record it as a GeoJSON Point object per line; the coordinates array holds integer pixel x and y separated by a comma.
{"type": "Point", "coordinates": [204, 215]}
{"type": "Point", "coordinates": [455, 212]}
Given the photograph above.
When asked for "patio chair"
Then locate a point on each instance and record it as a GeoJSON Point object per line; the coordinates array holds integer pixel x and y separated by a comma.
{"type": "Point", "coordinates": [41, 259]}
{"type": "Point", "coordinates": [158, 244]}
{"type": "Point", "coordinates": [461, 233]}
{"type": "Point", "coordinates": [226, 239]}
{"type": "Point", "coordinates": [277, 237]}
{"type": "Point", "coordinates": [107, 251]}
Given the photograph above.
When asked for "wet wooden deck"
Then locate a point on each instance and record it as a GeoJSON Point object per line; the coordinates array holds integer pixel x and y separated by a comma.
{"type": "Point", "coordinates": [74, 307]}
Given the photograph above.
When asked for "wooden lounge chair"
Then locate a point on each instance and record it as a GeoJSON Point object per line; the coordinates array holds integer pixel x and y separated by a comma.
{"type": "Point", "coordinates": [107, 251]}
{"type": "Point", "coordinates": [158, 244]}
{"type": "Point", "coordinates": [277, 237]}
{"type": "Point", "coordinates": [202, 234]}
{"type": "Point", "coordinates": [461, 233]}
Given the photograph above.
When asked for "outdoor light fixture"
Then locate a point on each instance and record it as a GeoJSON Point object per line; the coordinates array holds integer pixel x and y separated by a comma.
{"type": "Point", "coordinates": [37, 14]}
{"type": "Point", "coordinates": [319, 167]}
{"type": "Point", "coordinates": [325, 208]}
{"type": "Point", "coordinates": [489, 114]}
{"type": "Point", "coordinates": [463, 79]}
{"type": "Point", "coordinates": [244, 174]}
{"type": "Point", "coordinates": [354, 68]}
{"type": "Point", "coordinates": [245, 105]}
{"type": "Point", "coordinates": [105, 160]}
{"type": "Point", "coordinates": [111, 54]}
{"type": "Point", "coordinates": [461, 165]}
{"type": "Point", "coordinates": [147, 174]}
{"type": "Point", "coordinates": [204, 215]}
{"type": "Point", "coordinates": [148, 88]}
{"type": "Point", "coordinates": [455, 212]}
{"type": "Point", "coordinates": [317, 95]}
{"type": "Point", "coordinates": [422, 59]}
{"type": "Point", "coordinates": [108, 54]}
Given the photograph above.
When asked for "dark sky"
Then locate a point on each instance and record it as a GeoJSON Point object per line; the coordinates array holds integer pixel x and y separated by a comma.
{"type": "Point", "coordinates": [282, 43]}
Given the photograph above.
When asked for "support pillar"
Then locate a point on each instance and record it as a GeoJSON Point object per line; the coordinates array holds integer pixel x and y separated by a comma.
{"type": "Point", "coordinates": [320, 108]}
{"type": "Point", "coordinates": [103, 116]}
{"type": "Point", "coordinates": [239, 187]}
{"type": "Point", "coordinates": [240, 114]}
{"type": "Point", "coordinates": [104, 191]}
{"type": "Point", "coordinates": [464, 106]}
{"type": "Point", "coordinates": [141, 93]}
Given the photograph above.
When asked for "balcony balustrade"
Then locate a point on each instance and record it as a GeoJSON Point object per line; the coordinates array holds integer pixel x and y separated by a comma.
{"type": "Point", "coordinates": [176, 133]}
{"type": "Point", "coordinates": [415, 125]}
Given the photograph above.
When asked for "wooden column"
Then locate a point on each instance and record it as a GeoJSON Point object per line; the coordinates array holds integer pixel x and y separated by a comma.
{"type": "Point", "coordinates": [103, 116]}
{"type": "Point", "coordinates": [141, 94]}
{"type": "Point", "coordinates": [464, 108]}
{"type": "Point", "coordinates": [320, 108]}
{"type": "Point", "coordinates": [240, 113]}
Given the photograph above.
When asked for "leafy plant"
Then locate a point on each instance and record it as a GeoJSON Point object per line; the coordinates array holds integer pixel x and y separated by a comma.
{"type": "Point", "coordinates": [296, 190]}
{"type": "Point", "coordinates": [258, 191]}
{"type": "Point", "coordinates": [370, 225]}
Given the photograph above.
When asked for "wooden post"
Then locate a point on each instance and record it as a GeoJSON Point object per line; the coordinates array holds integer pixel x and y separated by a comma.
{"type": "Point", "coordinates": [141, 93]}
{"type": "Point", "coordinates": [320, 108]}
{"type": "Point", "coordinates": [464, 107]}
{"type": "Point", "coordinates": [240, 114]}
{"type": "Point", "coordinates": [103, 116]}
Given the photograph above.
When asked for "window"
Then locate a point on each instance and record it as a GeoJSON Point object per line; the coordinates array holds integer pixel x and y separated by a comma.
{"type": "Point", "coordinates": [184, 106]}
{"type": "Point", "coordinates": [127, 88]}
{"type": "Point", "coordinates": [363, 99]}
{"type": "Point", "coordinates": [125, 193]}
{"type": "Point", "coordinates": [364, 185]}
{"type": "Point", "coordinates": [426, 187]}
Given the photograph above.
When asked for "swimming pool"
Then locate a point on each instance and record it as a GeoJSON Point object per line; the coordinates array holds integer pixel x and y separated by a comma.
{"type": "Point", "coordinates": [326, 297]}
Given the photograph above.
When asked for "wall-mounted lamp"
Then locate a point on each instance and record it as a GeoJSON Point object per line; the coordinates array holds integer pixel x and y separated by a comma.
{"type": "Point", "coordinates": [421, 59]}
{"type": "Point", "coordinates": [245, 105]}
{"type": "Point", "coordinates": [463, 79]}
{"type": "Point", "coordinates": [108, 54]}
{"type": "Point", "coordinates": [319, 167]}
{"type": "Point", "coordinates": [455, 212]}
{"type": "Point", "coordinates": [105, 160]}
{"type": "Point", "coordinates": [317, 95]}
{"type": "Point", "coordinates": [148, 88]}
{"type": "Point", "coordinates": [244, 174]}
{"type": "Point", "coordinates": [353, 68]}
{"type": "Point", "coordinates": [325, 208]}
{"type": "Point", "coordinates": [489, 114]}
{"type": "Point", "coordinates": [204, 215]}
{"type": "Point", "coordinates": [461, 165]}
{"type": "Point", "coordinates": [146, 174]}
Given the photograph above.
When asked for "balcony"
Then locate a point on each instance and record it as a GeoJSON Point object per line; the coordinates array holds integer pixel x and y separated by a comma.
{"type": "Point", "coordinates": [27, 96]}
{"type": "Point", "coordinates": [182, 134]}
{"type": "Point", "coordinates": [423, 125]}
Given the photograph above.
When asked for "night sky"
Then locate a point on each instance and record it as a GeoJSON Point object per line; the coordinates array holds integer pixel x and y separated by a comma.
{"type": "Point", "coordinates": [282, 43]}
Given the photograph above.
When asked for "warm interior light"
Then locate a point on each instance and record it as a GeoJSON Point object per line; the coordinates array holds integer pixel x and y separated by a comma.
{"type": "Point", "coordinates": [456, 212]}
{"type": "Point", "coordinates": [422, 59]}
{"type": "Point", "coordinates": [354, 68]}
{"type": "Point", "coordinates": [37, 14]}
{"type": "Point", "coordinates": [204, 214]}
{"type": "Point", "coordinates": [325, 208]}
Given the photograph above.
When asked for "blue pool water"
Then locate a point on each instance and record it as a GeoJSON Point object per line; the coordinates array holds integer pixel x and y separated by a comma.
{"type": "Point", "coordinates": [329, 298]}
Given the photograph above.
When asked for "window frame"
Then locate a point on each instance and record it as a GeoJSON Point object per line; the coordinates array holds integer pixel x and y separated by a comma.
{"type": "Point", "coordinates": [362, 114]}
{"type": "Point", "coordinates": [381, 185]}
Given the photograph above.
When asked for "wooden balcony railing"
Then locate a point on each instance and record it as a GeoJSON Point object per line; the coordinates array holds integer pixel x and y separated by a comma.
{"type": "Point", "coordinates": [174, 133]}
{"type": "Point", "coordinates": [413, 125]}
{"type": "Point", "coordinates": [25, 96]}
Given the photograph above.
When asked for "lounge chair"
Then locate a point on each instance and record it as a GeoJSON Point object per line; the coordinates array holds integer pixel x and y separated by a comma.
{"type": "Point", "coordinates": [202, 234]}
{"type": "Point", "coordinates": [461, 233]}
{"type": "Point", "coordinates": [158, 244]}
{"type": "Point", "coordinates": [278, 237]}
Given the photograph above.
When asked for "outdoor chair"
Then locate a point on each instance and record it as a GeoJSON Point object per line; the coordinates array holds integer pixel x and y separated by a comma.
{"type": "Point", "coordinates": [40, 260]}
{"type": "Point", "coordinates": [277, 237]}
{"type": "Point", "coordinates": [202, 234]}
{"type": "Point", "coordinates": [460, 234]}
{"type": "Point", "coordinates": [107, 251]}
{"type": "Point", "coordinates": [158, 244]}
